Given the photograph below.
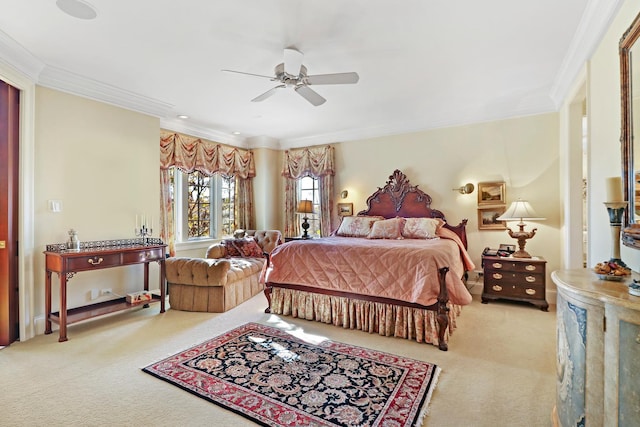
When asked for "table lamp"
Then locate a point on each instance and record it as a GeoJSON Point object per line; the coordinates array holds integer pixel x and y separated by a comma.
{"type": "Point", "coordinates": [521, 210]}
{"type": "Point", "coordinates": [305, 207]}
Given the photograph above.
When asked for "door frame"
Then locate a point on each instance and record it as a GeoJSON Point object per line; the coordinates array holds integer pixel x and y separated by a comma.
{"type": "Point", "coordinates": [26, 235]}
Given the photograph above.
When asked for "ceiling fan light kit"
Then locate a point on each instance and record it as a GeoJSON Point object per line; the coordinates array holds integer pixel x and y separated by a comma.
{"type": "Point", "coordinates": [292, 74]}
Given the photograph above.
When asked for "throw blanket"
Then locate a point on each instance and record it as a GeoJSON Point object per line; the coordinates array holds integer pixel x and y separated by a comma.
{"type": "Point", "coordinates": [405, 270]}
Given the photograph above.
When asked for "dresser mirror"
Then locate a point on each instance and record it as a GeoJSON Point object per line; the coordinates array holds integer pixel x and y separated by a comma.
{"type": "Point", "coordinates": [630, 103]}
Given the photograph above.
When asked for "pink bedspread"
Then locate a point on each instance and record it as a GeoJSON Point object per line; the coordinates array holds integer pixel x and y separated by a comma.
{"type": "Point", "coordinates": [405, 270]}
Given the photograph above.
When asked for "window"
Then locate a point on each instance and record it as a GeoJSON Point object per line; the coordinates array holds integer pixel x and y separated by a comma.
{"type": "Point", "coordinates": [204, 205]}
{"type": "Point", "coordinates": [308, 187]}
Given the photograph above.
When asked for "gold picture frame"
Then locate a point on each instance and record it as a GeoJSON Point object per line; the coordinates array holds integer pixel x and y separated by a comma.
{"type": "Point", "coordinates": [345, 209]}
{"type": "Point", "coordinates": [487, 218]}
{"type": "Point", "coordinates": [492, 193]}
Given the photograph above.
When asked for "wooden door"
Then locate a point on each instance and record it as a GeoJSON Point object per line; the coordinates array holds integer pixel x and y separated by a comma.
{"type": "Point", "coordinates": [9, 161]}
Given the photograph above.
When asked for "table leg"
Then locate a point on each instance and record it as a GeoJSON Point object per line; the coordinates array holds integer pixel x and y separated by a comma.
{"type": "Point", "coordinates": [63, 307]}
{"type": "Point", "coordinates": [47, 302]}
{"type": "Point", "coordinates": [163, 286]}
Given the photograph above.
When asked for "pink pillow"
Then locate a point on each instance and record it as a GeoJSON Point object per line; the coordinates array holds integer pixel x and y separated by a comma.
{"type": "Point", "coordinates": [387, 229]}
{"type": "Point", "coordinates": [356, 226]}
{"type": "Point", "coordinates": [421, 228]}
{"type": "Point", "coordinates": [246, 248]}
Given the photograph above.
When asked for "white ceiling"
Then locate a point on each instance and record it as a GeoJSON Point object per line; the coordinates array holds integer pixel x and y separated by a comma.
{"type": "Point", "coordinates": [422, 63]}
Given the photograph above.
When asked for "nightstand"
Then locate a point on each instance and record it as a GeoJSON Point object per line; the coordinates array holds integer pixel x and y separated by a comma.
{"type": "Point", "coordinates": [516, 279]}
{"type": "Point", "coordinates": [289, 239]}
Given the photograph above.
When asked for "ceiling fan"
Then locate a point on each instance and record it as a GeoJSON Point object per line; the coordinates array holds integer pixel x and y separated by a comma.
{"type": "Point", "coordinates": [291, 73]}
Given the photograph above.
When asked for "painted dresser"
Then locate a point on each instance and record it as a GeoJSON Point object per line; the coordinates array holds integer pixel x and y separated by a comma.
{"type": "Point", "coordinates": [598, 351]}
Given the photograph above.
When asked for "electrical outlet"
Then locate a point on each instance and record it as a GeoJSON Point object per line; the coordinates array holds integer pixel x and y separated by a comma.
{"type": "Point", "coordinates": [94, 293]}
{"type": "Point", "coordinates": [106, 291]}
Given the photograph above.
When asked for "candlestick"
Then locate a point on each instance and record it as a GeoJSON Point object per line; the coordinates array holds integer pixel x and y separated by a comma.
{"type": "Point", "coordinates": [614, 189]}
{"type": "Point", "coordinates": [616, 211]}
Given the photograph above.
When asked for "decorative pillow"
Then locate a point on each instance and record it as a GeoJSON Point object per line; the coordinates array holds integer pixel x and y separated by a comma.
{"type": "Point", "coordinates": [246, 248]}
{"type": "Point", "coordinates": [356, 226]}
{"type": "Point", "coordinates": [421, 228]}
{"type": "Point", "coordinates": [231, 248]}
{"type": "Point", "coordinates": [249, 248]}
{"type": "Point", "coordinates": [387, 229]}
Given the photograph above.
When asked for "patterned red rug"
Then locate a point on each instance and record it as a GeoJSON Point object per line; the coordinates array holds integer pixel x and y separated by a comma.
{"type": "Point", "coordinates": [275, 379]}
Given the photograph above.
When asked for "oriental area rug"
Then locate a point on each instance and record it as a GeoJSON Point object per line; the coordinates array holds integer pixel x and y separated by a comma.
{"type": "Point", "coordinates": [275, 379]}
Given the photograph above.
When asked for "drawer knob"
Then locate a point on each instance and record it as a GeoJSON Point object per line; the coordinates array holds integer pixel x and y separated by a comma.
{"type": "Point", "coordinates": [496, 265]}
{"type": "Point", "coordinates": [95, 261]}
{"type": "Point", "coordinates": [147, 255]}
{"type": "Point", "coordinates": [530, 279]}
{"type": "Point", "coordinates": [530, 291]}
{"type": "Point", "coordinates": [496, 288]}
{"type": "Point", "coordinates": [497, 276]}
{"type": "Point", "coordinates": [530, 267]}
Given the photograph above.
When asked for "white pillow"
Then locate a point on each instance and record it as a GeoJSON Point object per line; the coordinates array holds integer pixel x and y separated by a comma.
{"type": "Point", "coordinates": [421, 228]}
{"type": "Point", "coordinates": [356, 226]}
{"type": "Point", "coordinates": [387, 229]}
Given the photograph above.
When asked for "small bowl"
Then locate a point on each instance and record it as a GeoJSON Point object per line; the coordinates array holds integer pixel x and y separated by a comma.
{"type": "Point", "coordinates": [611, 277]}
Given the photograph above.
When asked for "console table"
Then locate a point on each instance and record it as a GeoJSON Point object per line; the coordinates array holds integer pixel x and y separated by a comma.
{"type": "Point", "coordinates": [598, 354]}
{"type": "Point", "coordinates": [96, 256]}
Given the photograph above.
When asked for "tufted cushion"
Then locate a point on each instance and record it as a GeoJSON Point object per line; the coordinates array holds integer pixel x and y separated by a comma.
{"type": "Point", "coordinates": [197, 271]}
{"type": "Point", "coordinates": [267, 239]}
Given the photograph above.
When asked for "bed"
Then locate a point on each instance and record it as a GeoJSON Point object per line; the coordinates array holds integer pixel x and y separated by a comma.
{"type": "Point", "coordinates": [402, 276]}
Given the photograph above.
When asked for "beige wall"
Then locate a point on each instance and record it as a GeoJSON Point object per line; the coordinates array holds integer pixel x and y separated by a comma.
{"type": "Point", "coordinates": [102, 163]}
{"type": "Point", "coordinates": [523, 152]}
{"type": "Point", "coordinates": [604, 135]}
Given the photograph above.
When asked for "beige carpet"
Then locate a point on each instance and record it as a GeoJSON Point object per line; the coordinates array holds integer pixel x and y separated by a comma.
{"type": "Point", "coordinates": [499, 370]}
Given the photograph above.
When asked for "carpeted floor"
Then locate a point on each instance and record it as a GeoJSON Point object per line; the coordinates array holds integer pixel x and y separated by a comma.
{"type": "Point", "coordinates": [499, 370]}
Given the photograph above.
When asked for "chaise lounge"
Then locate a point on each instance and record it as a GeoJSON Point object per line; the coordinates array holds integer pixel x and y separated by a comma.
{"type": "Point", "coordinates": [227, 276]}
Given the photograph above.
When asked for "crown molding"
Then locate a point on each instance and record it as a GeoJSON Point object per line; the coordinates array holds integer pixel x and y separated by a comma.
{"type": "Point", "coordinates": [76, 84]}
{"type": "Point", "coordinates": [179, 125]}
{"type": "Point", "coordinates": [477, 116]}
{"type": "Point", "coordinates": [263, 141]}
{"type": "Point", "coordinates": [596, 19]}
{"type": "Point", "coordinates": [16, 57]}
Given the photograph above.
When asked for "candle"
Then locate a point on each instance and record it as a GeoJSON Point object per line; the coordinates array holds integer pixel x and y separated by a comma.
{"type": "Point", "coordinates": [137, 227]}
{"type": "Point", "coordinates": [614, 189]}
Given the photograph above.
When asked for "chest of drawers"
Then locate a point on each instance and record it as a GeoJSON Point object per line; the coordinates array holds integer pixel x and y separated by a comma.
{"type": "Point", "coordinates": [517, 279]}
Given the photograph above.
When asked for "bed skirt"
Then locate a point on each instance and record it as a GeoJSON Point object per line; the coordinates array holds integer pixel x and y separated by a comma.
{"type": "Point", "coordinates": [385, 319]}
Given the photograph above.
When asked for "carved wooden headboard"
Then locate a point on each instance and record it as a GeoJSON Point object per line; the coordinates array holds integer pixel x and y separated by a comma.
{"type": "Point", "coordinates": [399, 198]}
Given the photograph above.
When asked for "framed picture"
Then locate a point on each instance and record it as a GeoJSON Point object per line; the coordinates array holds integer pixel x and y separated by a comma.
{"type": "Point", "coordinates": [492, 193]}
{"type": "Point", "coordinates": [345, 209]}
{"type": "Point", "coordinates": [487, 218]}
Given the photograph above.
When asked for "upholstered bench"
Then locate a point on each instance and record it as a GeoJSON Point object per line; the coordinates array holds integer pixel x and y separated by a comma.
{"type": "Point", "coordinates": [228, 275]}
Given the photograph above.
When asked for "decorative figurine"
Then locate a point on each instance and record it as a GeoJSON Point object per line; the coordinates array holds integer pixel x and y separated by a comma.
{"type": "Point", "coordinates": [74, 243]}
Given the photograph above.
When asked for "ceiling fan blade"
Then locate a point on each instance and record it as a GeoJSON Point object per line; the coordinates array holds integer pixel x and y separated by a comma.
{"type": "Point", "coordinates": [267, 94]}
{"type": "Point", "coordinates": [333, 79]}
{"type": "Point", "coordinates": [248, 74]}
{"type": "Point", "coordinates": [292, 61]}
{"type": "Point", "coordinates": [310, 95]}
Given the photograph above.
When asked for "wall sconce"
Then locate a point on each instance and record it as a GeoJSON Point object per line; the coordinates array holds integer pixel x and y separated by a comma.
{"type": "Point", "coordinates": [344, 194]}
{"type": "Point", "coordinates": [465, 189]}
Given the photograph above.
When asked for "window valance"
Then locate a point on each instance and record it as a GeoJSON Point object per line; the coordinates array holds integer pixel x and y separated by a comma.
{"type": "Point", "coordinates": [315, 161]}
{"type": "Point", "coordinates": [189, 154]}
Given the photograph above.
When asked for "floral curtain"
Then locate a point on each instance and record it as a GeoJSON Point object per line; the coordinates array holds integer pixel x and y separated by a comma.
{"type": "Point", "coordinates": [291, 220]}
{"type": "Point", "coordinates": [317, 162]}
{"type": "Point", "coordinates": [167, 221]}
{"type": "Point", "coordinates": [243, 206]}
{"type": "Point", "coordinates": [190, 154]}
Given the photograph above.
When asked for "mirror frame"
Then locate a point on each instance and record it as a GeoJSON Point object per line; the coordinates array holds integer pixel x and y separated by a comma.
{"type": "Point", "coordinates": [626, 131]}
